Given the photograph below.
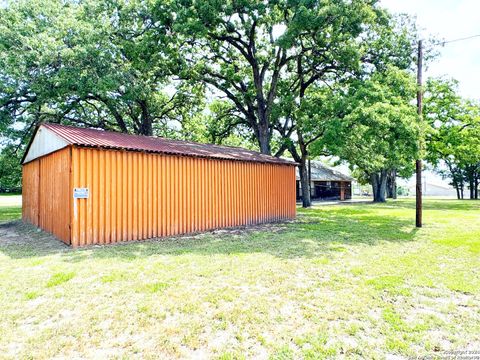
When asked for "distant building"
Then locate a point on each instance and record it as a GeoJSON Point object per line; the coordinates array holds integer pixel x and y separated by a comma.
{"type": "Point", "coordinates": [432, 185]}
{"type": "Point", "coordinates": [326, 183]}
{"type": "Point", "coordinates": [432, 189]}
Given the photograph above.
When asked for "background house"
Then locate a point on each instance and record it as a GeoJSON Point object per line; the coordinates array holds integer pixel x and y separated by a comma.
{"type": "Point", "coordinates": [326, 183]}
{"type": "Point", "coordinates": [433, 185]}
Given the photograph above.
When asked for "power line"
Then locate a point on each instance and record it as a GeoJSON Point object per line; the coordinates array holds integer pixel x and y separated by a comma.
{"type": "Point", "coordinates": [442, 43]}
{"type": "Point", "coordinates": [455, 40]}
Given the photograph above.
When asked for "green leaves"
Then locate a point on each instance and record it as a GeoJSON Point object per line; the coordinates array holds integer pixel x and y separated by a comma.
{"type": "Point", "coordinates": [379, 128]}
{"type": "Point", "coordinates": [95, 63]}
{"type": "Point", "coordinates": [263, 56]}
{"type": "Point", "coordinates": [10, 170]}
{"type": "Point", "coordinates": [298, 75]}
{"type": "Point", "coordinates": [453, 142]}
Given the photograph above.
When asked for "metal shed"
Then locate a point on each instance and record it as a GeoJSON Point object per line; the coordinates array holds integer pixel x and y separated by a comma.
{"type": "Point", "coordinates": [91, 186]}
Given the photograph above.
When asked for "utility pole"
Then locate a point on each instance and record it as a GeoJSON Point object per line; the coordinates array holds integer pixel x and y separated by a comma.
{"type": "Point", "coordinates": [418, 164]}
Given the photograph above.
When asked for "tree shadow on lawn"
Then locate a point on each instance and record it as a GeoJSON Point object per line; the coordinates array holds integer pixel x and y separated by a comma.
{"type": "Point", "coordinates": [436, 204]}
{"type": "Point", "coordinates": [316, 232]}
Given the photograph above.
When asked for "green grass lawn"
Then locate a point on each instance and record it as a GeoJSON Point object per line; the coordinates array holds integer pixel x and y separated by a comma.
{"type": "Point", "coordinates": [352, 281]}
{"type": "Point", "coordinates": [10, 207]}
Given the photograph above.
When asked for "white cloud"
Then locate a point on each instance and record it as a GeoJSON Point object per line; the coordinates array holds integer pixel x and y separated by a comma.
{"type": "Point", "coordinates": [449, 19]}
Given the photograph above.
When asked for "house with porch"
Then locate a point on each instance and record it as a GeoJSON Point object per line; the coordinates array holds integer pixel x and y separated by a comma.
{"type": "Point", "coordinates": [326, 183]}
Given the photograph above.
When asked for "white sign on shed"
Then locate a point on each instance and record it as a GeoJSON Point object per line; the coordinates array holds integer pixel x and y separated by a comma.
{"type": "Point", "coordinates": [80, 193]}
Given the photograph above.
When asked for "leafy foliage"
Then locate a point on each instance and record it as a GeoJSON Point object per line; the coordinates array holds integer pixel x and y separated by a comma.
{"type": "Point", "coordinates": [454, 139]}
{"type": "Point", "coordinates": [263, 56]}
{"type": "Point", "coordinates": [307, 77]}
{"type": "Point", "coordinates": [10, 170]}
{"type": "Point", "coordinates": [379, 130]}
{"type": "Point", "coordinates": [95, 63]}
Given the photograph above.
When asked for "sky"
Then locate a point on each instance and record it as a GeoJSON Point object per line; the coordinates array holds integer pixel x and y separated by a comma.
{"type": "Point", "coordinates": [447, 20]}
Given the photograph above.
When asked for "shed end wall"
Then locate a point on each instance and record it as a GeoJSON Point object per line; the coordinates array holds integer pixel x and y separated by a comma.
{"type": "Point", "coordinates": [46, 193]}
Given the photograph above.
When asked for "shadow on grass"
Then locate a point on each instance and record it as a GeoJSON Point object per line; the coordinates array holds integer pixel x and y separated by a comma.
{"type": "Point", "coordinates": [436, 204]}
{"type": "Point", "coordinates": [316, 232]}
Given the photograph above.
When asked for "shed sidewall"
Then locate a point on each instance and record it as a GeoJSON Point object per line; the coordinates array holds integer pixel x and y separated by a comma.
{"type": "Point", "coordinates": [137, 195]}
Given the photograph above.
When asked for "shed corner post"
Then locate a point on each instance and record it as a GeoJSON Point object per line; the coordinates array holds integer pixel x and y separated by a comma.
{"type": "Point", "coordinates": [73, 202]}
{"type": "Point", "coordinates": [294, 195]}
{"type": "Point", "coordinates": [23, 197]}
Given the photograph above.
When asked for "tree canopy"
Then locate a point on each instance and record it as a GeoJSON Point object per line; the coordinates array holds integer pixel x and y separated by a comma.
{"type": "Point", "coordinates": [303, 77]}
{"type": "Point", "coordinates": [453, 142]}
{"type": "Point", "coordinates": [262, 55]}
{"type": "Point", "coordinates": [378, 129]}
{"type": "Point", "coordinates": [93, 63]}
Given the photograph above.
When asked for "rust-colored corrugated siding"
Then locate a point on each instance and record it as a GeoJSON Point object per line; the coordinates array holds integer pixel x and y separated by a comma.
{"type": "Point", "coordinates": [135, 195]}
{"type": "Point", "coordinates": [46, 193]}
{"type": "Point", "coordinates": [30, 191]}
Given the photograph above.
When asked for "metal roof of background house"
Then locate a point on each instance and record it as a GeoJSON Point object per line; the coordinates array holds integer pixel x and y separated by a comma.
{"type": "Point", "coordinates": [115, 140]}
{"type": "Point", "coordinates": [321, 172]}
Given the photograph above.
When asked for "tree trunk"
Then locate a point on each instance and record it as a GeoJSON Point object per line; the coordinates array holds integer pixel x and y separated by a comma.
{"type": "Point", "coordinates": [379, 185]}
{"type": "Point", "coordinates": [472, 188]}
{"type": "Point", "coordinates": [457, 188]}
{"type": "Point", "coordinates": [374, 183]}
{"type": "Point", "coordinates": [301, 158]}
{"type": "Point", "coordinates": [146, 126]}
{"type": "Point", "coordinates": [392, 184]}
{"type": "Point", "coordinates": [383, 187]}
{"type": "Point", "coordinates": [305, 183]}
{"type": "Point", "coordinates": [476, 186]}
{"type": "Point", "coordinates": [263, 137]}
{"type": "Point", "coordinates": [458, 191]}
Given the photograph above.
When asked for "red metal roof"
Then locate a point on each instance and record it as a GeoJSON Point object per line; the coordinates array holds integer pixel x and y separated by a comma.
{"type": "Point", "coordinates": [116, 140]}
